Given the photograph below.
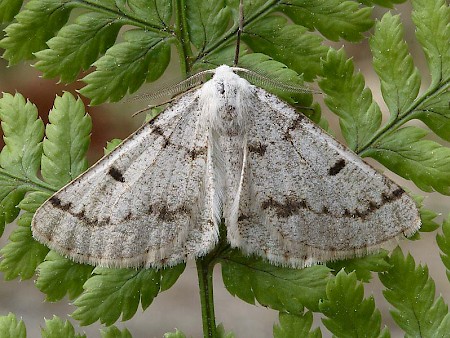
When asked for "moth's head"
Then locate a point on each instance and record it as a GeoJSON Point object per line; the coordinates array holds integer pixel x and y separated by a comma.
{"type": "Point", "coordinates": [227, 82]}
{"type": "Point", "coordinates": [225, 101]}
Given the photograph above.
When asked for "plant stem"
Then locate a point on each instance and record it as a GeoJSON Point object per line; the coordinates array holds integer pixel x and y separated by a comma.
{"type": "Point", "coordinates": [393, 125]}
{"type": "Point", "coordinates": [205, 267]}
{"type": "Point", "coordinates": [181, 32]}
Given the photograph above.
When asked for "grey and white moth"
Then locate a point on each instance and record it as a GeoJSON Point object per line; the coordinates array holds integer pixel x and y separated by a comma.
{"type": "Point", "coordinates": [286, 190]}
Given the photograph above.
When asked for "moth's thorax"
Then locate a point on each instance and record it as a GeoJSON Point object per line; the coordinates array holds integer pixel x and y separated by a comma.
{"type": "Point", "coordinates": [225, 102]}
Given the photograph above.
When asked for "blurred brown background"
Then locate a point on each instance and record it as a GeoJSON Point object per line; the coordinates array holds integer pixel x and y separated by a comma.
{"type": "Point", "coordinates": [179, 307]}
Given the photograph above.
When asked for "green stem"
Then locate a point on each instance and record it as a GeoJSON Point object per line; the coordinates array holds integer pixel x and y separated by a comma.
{"type": "Point", "coordinates": [205, 267]}
{"type": "Point", "coordinates": [180, 28]}
{"type": "Point", "coordinates": [27, 182]}
{"type": "Point", "coordinates": [393, 125]}
{"type": "Point", "coordinates": [224, 40]}
{"type": "Point", "coordinates": [119, 16]}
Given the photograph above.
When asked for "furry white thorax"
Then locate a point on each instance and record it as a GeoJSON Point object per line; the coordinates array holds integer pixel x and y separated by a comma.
{"type": "Point", "coordinates": [225, 111]}
{"type": "Point", "coordinates": [225, 102]}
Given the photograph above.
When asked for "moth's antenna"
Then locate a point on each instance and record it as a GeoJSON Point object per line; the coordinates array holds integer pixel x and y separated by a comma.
{"type": "Point", "coordinates": [239, 32]}
{"type": "Point", "coordinates": [172, 91]}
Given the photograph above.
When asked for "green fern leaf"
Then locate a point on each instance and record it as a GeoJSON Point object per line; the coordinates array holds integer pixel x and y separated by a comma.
{"type": "Point", "coordinates": [144, 56]}
{"type": "Point", "coordinates": [9, 9]}
{"type": "Point", "coordinates": [432, 20]}
{"type": "Point", "coordinates": [34, 26]}
{"type": "Point", "coordinates": [59, 276]}
{"type": "Point", "coordinates": [23, 133]}
{"type": "Point", "coordinates": [349, 314]}
{"type": "Point", "coordinates": [156, 13]}
{"type": "Point", "coordinates": [207, 22]}
{"type": "Point", "coordinates": [77, 46]}
{"type": "Point", "coordinates": [57, 328]}
{"type": "Point", "coordinates": [277, 72]}
{"type": "Point", "coordinates": [427, 216]}
{"type": "Point", "coordinates": [22, 254]}
{"type": "Point", "coordinates": [110, 293]}
{"type": "Point", "coordinates": [360, 116]}
{"type": "Point", "coordinates": [412, 293]}
{"type": "Point", "coordinates": [400, 80]}
{"type": "Point", "coordinates": [292, 45]}
{"type": "Point", "coordinates": [384, 3]}
{"type": "Point", "coordinates": [443, 241]}
{"type": "Point", "coordinates": [67, 141]}
{"type": "Point", "coordinates": [176, 334]}
{"type": "Point", "coordinates": [282, 289]}
{"type": "Point", "coordinates": [114, 332]}
{"type": "Point", "coordinates": [11, 328]}
{"type": "Point", "coordinates": [333, 18]}
{"type": "Point", "coordinates": [362, 266]}
{"type": "Point", "coordinates": [292, 326]}
{"type": "Point", "coordinates": [406, 153]}
{"type": "Point", "coordinates": [434, 111]}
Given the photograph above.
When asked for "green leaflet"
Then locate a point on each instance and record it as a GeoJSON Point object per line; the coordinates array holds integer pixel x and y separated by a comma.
{"type": "Point", "coordinates": [434, 111]}
{"type": "Point", "coordinates": [362, 266]}
{"type": "Point", "coordinates": [8, 9]}
{"type": "Point", "coordinates": [67, 141]}
{"type": "Point", "coordinates": [292, 45]}
{"type": "Point", "coordinates": [412, 293]}
{"type": "Point", "coordinates": [114, 332]}
{"type": "Point", "coordinates": [292, 326]}
{"type": "Point", "coordinates": [59, 276]}
{"type": "Point", "coordinates": [349, 313]}
{"type": "Point", "coordinates": [23, 254]}
{"type": "Point", "coordinates": [110, 293]}
{"type": "Point", "coordinates": [33, 27]}
{"type": "Point", "coordinates": [111, 145]}
{"type": "Point", "coordinates": [144, 56]}
{"type": "Point", "coordinates": [400, 80]}
{"type": "Point", "coordinates": [169, 276]}
{"type": "Point", "coordinates": [77, 46]}
{"type": "Point", "coordinates": [20, 157]}
{"type": "Point", "coordinates": [276, 72]}
{"type": "Point", "coordinates": [176, 334]}
{"type": "Point", "coordinates": [207, 22]}
{"type": "Point", "coordinates": [57, 328]}
{"type": "Point", "coordinates": [221, 333]}
{"type": "Point", "coordinates": [23, 133]}
{"type": "Point", "coordinates": [11, 328]}
{"type": "Point", "coordinates": [282, 289]}
{"type": "Point", "coordinates": [384, 3]}
{"type": "Point", "coordinates": [332, 18]}
{"type": "Point", "coordinates": [427, 216]}
{"type": "Point", "coordinates": [11, 194]}
{"type": "Point", "coordinates": [155, 13]}
{"type": "Point", "coordinates": [406, 153]}
{"type": "Point", "coordinates": [432, 19]}
{"type": "Point", "coordinates": [443, 241]}
{"type": "Point", "coordinates": [359, 115]}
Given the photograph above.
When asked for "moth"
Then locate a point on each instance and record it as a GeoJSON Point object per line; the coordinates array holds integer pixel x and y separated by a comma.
{"type": "Point", "coordinates": [286, 190]}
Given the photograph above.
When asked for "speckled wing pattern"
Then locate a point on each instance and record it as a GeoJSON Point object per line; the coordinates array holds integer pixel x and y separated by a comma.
{"type": "Point", "coordinates": [227, 151]}
{"type": "Point", "coordinates": [147, 203]}
{"type": "Point", "coordinates": [306, 198]}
